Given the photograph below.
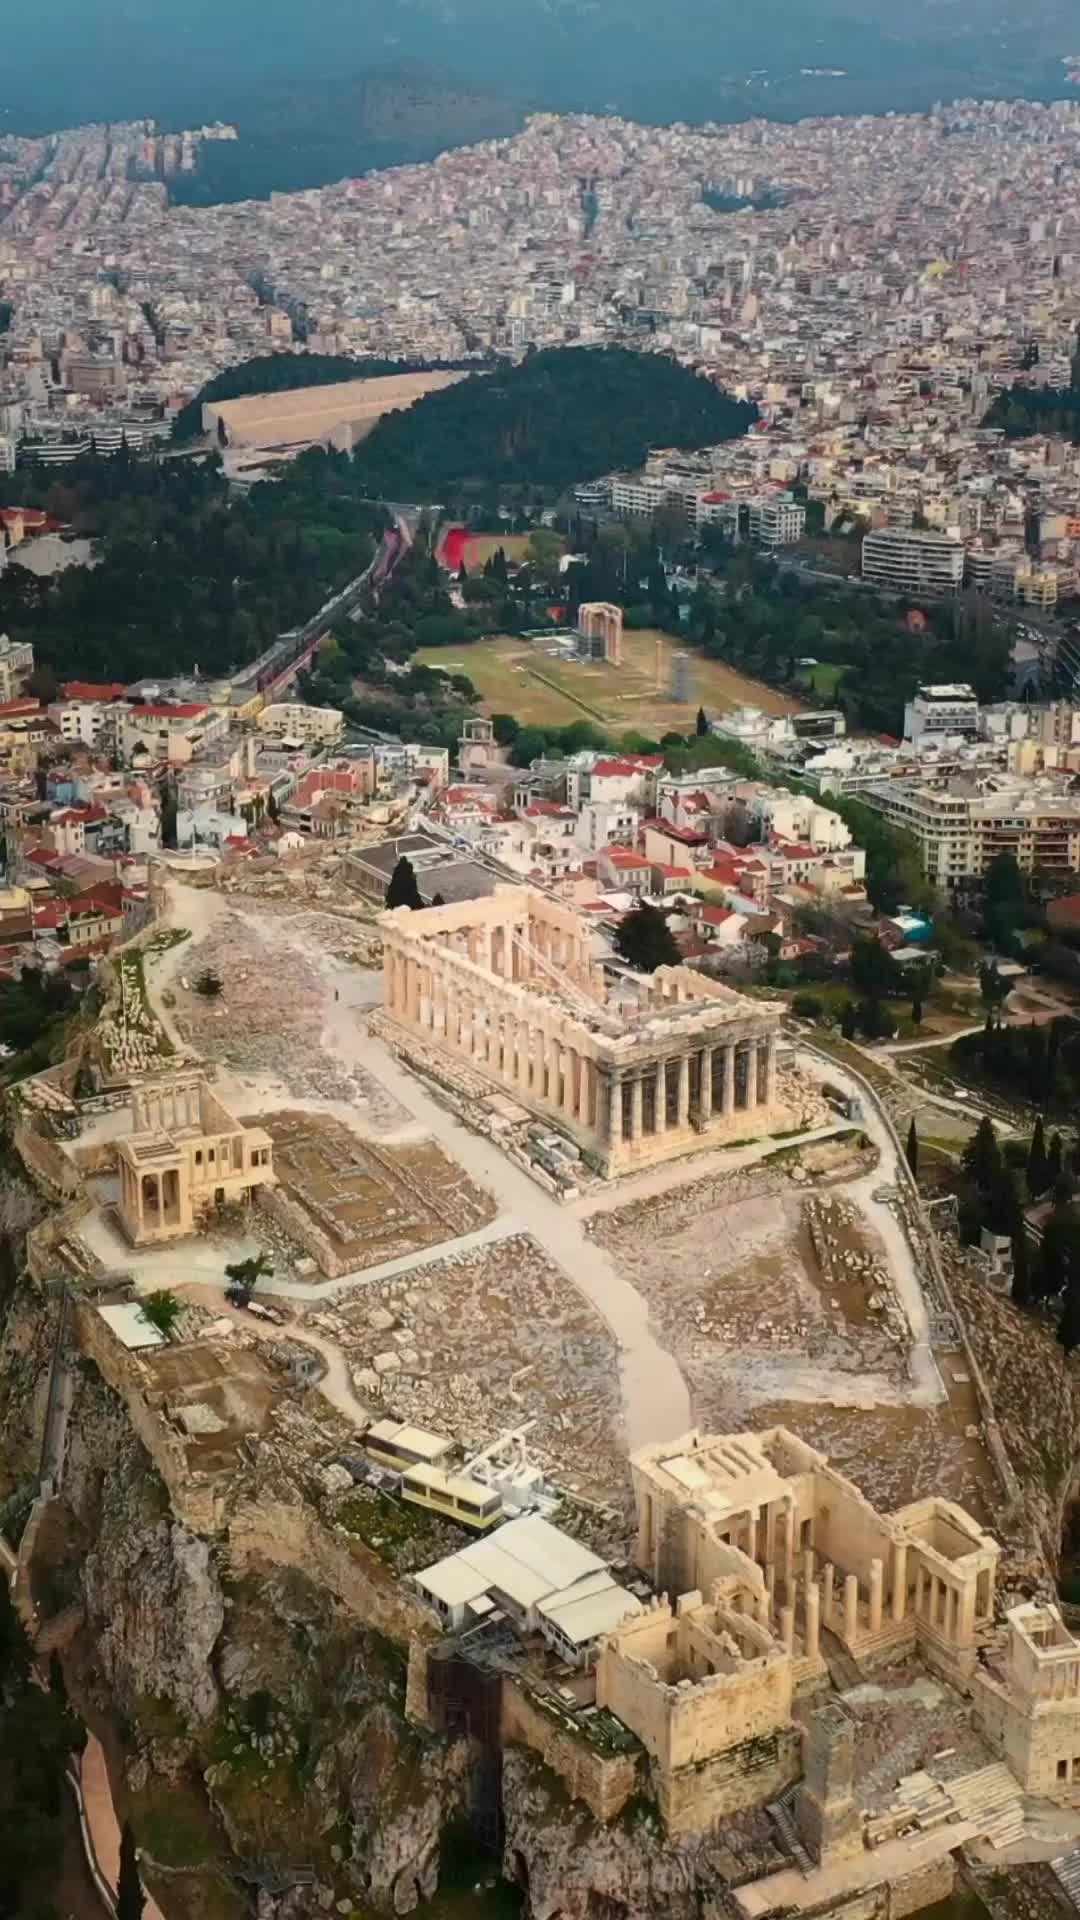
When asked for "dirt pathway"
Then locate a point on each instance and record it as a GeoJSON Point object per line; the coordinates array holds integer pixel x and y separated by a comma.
{"type": "Point", "coordinates": [335, 1385]}
{"type": "Point", "coordinates": [928, 1388]}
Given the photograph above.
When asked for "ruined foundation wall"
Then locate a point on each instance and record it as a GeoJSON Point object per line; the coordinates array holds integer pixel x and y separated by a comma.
{"type": "Point", "coordinates": [294, 1536]}
{"type": "Point", "coordinates": [605, 1782]}
{"type": "Point", "coordinates": [695, 1797]}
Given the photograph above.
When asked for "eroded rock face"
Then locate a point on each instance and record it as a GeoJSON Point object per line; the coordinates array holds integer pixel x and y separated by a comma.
{"type": "Point", "coordinates": [155, 1609]}
{"type": "Point", "coordinates": [574, 1869]}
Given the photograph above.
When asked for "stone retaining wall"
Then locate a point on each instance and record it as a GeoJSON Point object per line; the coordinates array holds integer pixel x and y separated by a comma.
{"type": "Point", "coordinates": [605, 1782]}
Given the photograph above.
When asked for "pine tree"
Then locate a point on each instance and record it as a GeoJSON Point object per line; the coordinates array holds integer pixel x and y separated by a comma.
{"type": "Point", "coordinates": [1038, 1178]}
{"type": "Point", "coordinates": [702, 722]}
{"type": "Point", "coordinates": [402, 890]}
{"type": "Point", "coordinates": [912, 1149]}
{"type": "Point", "coordinates": [130, 1899]}
{"type": "Point", "coordinates": [848, 1020]}
{"type": "Point", "coordinates": [982, 1157]}
{"type": "Point", "coordinates": [645, 941]}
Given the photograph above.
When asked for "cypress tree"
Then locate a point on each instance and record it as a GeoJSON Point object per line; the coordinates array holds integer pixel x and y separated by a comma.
{"type": "Point", "coordinates": [130, 1899]}
{"type": "Point", "coordinates": [702, 722]}
{"type": "Point", "coordinates": [1054, 1159]}
{"type": "Point", "coordinates": [402, 890]}
{"type": "Point", "coordinates": [912, 1149]}
{"type": "Point", "coordinates": [982, 1157]}
{"type": "Point", "coordinates": [1037, 1176]}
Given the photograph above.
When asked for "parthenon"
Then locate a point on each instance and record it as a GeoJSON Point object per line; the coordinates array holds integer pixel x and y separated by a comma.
{"type": "Point", "coordinates": [638, 1068]}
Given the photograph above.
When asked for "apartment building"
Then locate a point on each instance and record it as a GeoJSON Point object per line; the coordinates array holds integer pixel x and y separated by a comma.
{"type": "Point", "coordinates": [292, 720]}
{"type": "Point", "coordinates": [962, 824]}
{"type": "Point", "coordinates": [776, 520]}
{"type": "Point", "coordinates": [904, 560]}
{"type": "Point", "coordinates": [941, 710]}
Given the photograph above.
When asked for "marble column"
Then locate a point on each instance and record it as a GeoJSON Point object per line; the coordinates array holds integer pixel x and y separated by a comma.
{"type": "Point", "coordinates": [752, 1077]}
{"type": "Point", "coordinates": [851, 1607]}
{"type": "Point", "coordinates": [524, 1057]}
{"type": "Point", "coordinates": [899, 1578]}
{"type": "Point", "coordinates": [729, 1080]}
{"type": "Point", "coordinates": [813, 1621]}
{"type": "Point", "coordinates": [660, 1097]}
{"type": "Point", "coordinates": [877, 1581]}
{"type": "Point", "coordinates": [789, 1549]}
{"type": "Point", "coordinates": [827, 1576]}
{"type": "Point", "coordinates": [584, 1100]}
{"type": "Point", "coordinates": [770, 1070]}
{"type": "Point", "coordinates": [787, 1628]}
{"type": "Point", "coordinates": [705, 1084]}
{"type": "Point", "coordinates": [635, 1107]}
{"type": "Point", "coordinates": [684, 1091]}
{"type": "Point", "coordinates": [571, 1069]}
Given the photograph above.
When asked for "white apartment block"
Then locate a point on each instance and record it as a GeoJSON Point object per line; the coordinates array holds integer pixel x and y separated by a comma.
{"type": "Point", "coordinates": [776, 520]}
{"type": "Point", "coordinates": [906, 561]}
{"type": "Point", "coordinates": [940, 710]}
{"type": "Point", "coordinates": [291, 720]}
{"type": "Point", "coordinates": [961, 826]}
{"type": "Point", "coordinates": [794, 816]}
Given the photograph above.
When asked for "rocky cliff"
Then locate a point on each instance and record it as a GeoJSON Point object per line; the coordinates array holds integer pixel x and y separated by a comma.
{"type": "Point", "coordinates": [259, 1725]}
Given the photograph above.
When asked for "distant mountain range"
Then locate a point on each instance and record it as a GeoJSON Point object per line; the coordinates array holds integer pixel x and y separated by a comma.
{"type": "Point", "coordinates": [430, 73]}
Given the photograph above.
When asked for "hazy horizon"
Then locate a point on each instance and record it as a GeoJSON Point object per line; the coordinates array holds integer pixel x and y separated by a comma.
{"type": "Point", "coordinates": [102, 59]}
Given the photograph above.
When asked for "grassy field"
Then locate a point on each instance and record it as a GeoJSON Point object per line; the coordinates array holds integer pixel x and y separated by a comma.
{"type": "Point", "coordinates": [521, 677]}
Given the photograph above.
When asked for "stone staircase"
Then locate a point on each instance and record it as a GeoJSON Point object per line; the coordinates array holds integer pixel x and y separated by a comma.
{"type": "Point", "coordinates": [779, 1812]}
{"type": "Point", "coordinates": [989, 1799]}
{"type": "Point", "coordinates": [1066, 1870]}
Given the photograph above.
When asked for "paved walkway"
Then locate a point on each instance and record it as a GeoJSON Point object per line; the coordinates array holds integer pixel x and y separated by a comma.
{"type": "Point", "coordinates": [101, 1818]}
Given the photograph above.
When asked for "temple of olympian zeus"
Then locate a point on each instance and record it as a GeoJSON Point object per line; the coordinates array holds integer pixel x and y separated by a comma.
{"type": "Point", "coordinates": [637, 1068]}
{"type": "Point", "coordinates": [602, 623]}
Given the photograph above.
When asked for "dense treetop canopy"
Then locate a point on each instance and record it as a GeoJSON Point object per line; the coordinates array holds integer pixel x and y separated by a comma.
{"type": "Point", "coordinates": [559, 418]}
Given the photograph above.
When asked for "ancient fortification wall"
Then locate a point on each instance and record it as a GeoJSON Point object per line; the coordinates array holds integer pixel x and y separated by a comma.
{"type": "Point", "coordinates": [605, 1782]}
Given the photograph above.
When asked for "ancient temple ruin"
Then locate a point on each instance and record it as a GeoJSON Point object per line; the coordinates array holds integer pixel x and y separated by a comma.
{"type": "Point", "coordinates": [185, 1155]}
{"type": "Point", "coordinates": [639, 1068]}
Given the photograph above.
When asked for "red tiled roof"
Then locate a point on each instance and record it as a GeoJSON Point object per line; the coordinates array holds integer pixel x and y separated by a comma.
{"type": "Point", "coordinates": [625, 857]}
{"type": "Point", "coordinates": [89, 690]}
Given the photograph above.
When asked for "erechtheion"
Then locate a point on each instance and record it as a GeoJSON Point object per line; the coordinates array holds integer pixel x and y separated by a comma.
{"type": "Point", "coordinates": [184, 1155]}
{"type": "Point", "coordinates": [639, 1068]}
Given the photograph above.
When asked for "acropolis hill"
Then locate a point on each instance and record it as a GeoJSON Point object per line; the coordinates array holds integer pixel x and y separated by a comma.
{"type": "Point", "coordinates": [639, 1068]}
{"type": "Point", "coordinates": [601, 1460]}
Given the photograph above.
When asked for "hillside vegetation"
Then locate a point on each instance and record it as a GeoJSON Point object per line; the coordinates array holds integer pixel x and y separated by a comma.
{"type": "Point", "coordinates": [560, 418]}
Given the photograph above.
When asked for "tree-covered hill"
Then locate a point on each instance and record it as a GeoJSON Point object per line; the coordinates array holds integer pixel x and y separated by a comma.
{"type": "Point", "coordinates": [1025, 410]}
{"type": "Point", "coordinates": [185, 573]}
{"type": "Point", "coordinates": [281, 372]}
{"type": "Point", "coordinates": [561, 417]}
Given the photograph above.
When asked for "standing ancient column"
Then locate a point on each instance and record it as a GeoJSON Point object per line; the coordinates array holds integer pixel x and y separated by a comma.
{"type": "Point", "coordinates": [812, 1645]}
{"type": "Point", "coordinates": [705, 1084]}
{"type": "Point", "coordinates": [851, 1607]}
{"type": "Point", "coordinates": [584, 1099]}
{"type": "Point", "coordinates": [635, 1107]}
{"type": "Point", "coordinates": [899, 1580]}
{"type": "Point", "coordinates": [660, 1098]}
{"type": "Point", "coordinates": [729, 1080]}
{"type": "Point", "coordinates": [770, 1071]}
{"type": "Point", "coordinates": [684, 1091]}
{"type": "Point", "coordinates": [751, 1077]}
